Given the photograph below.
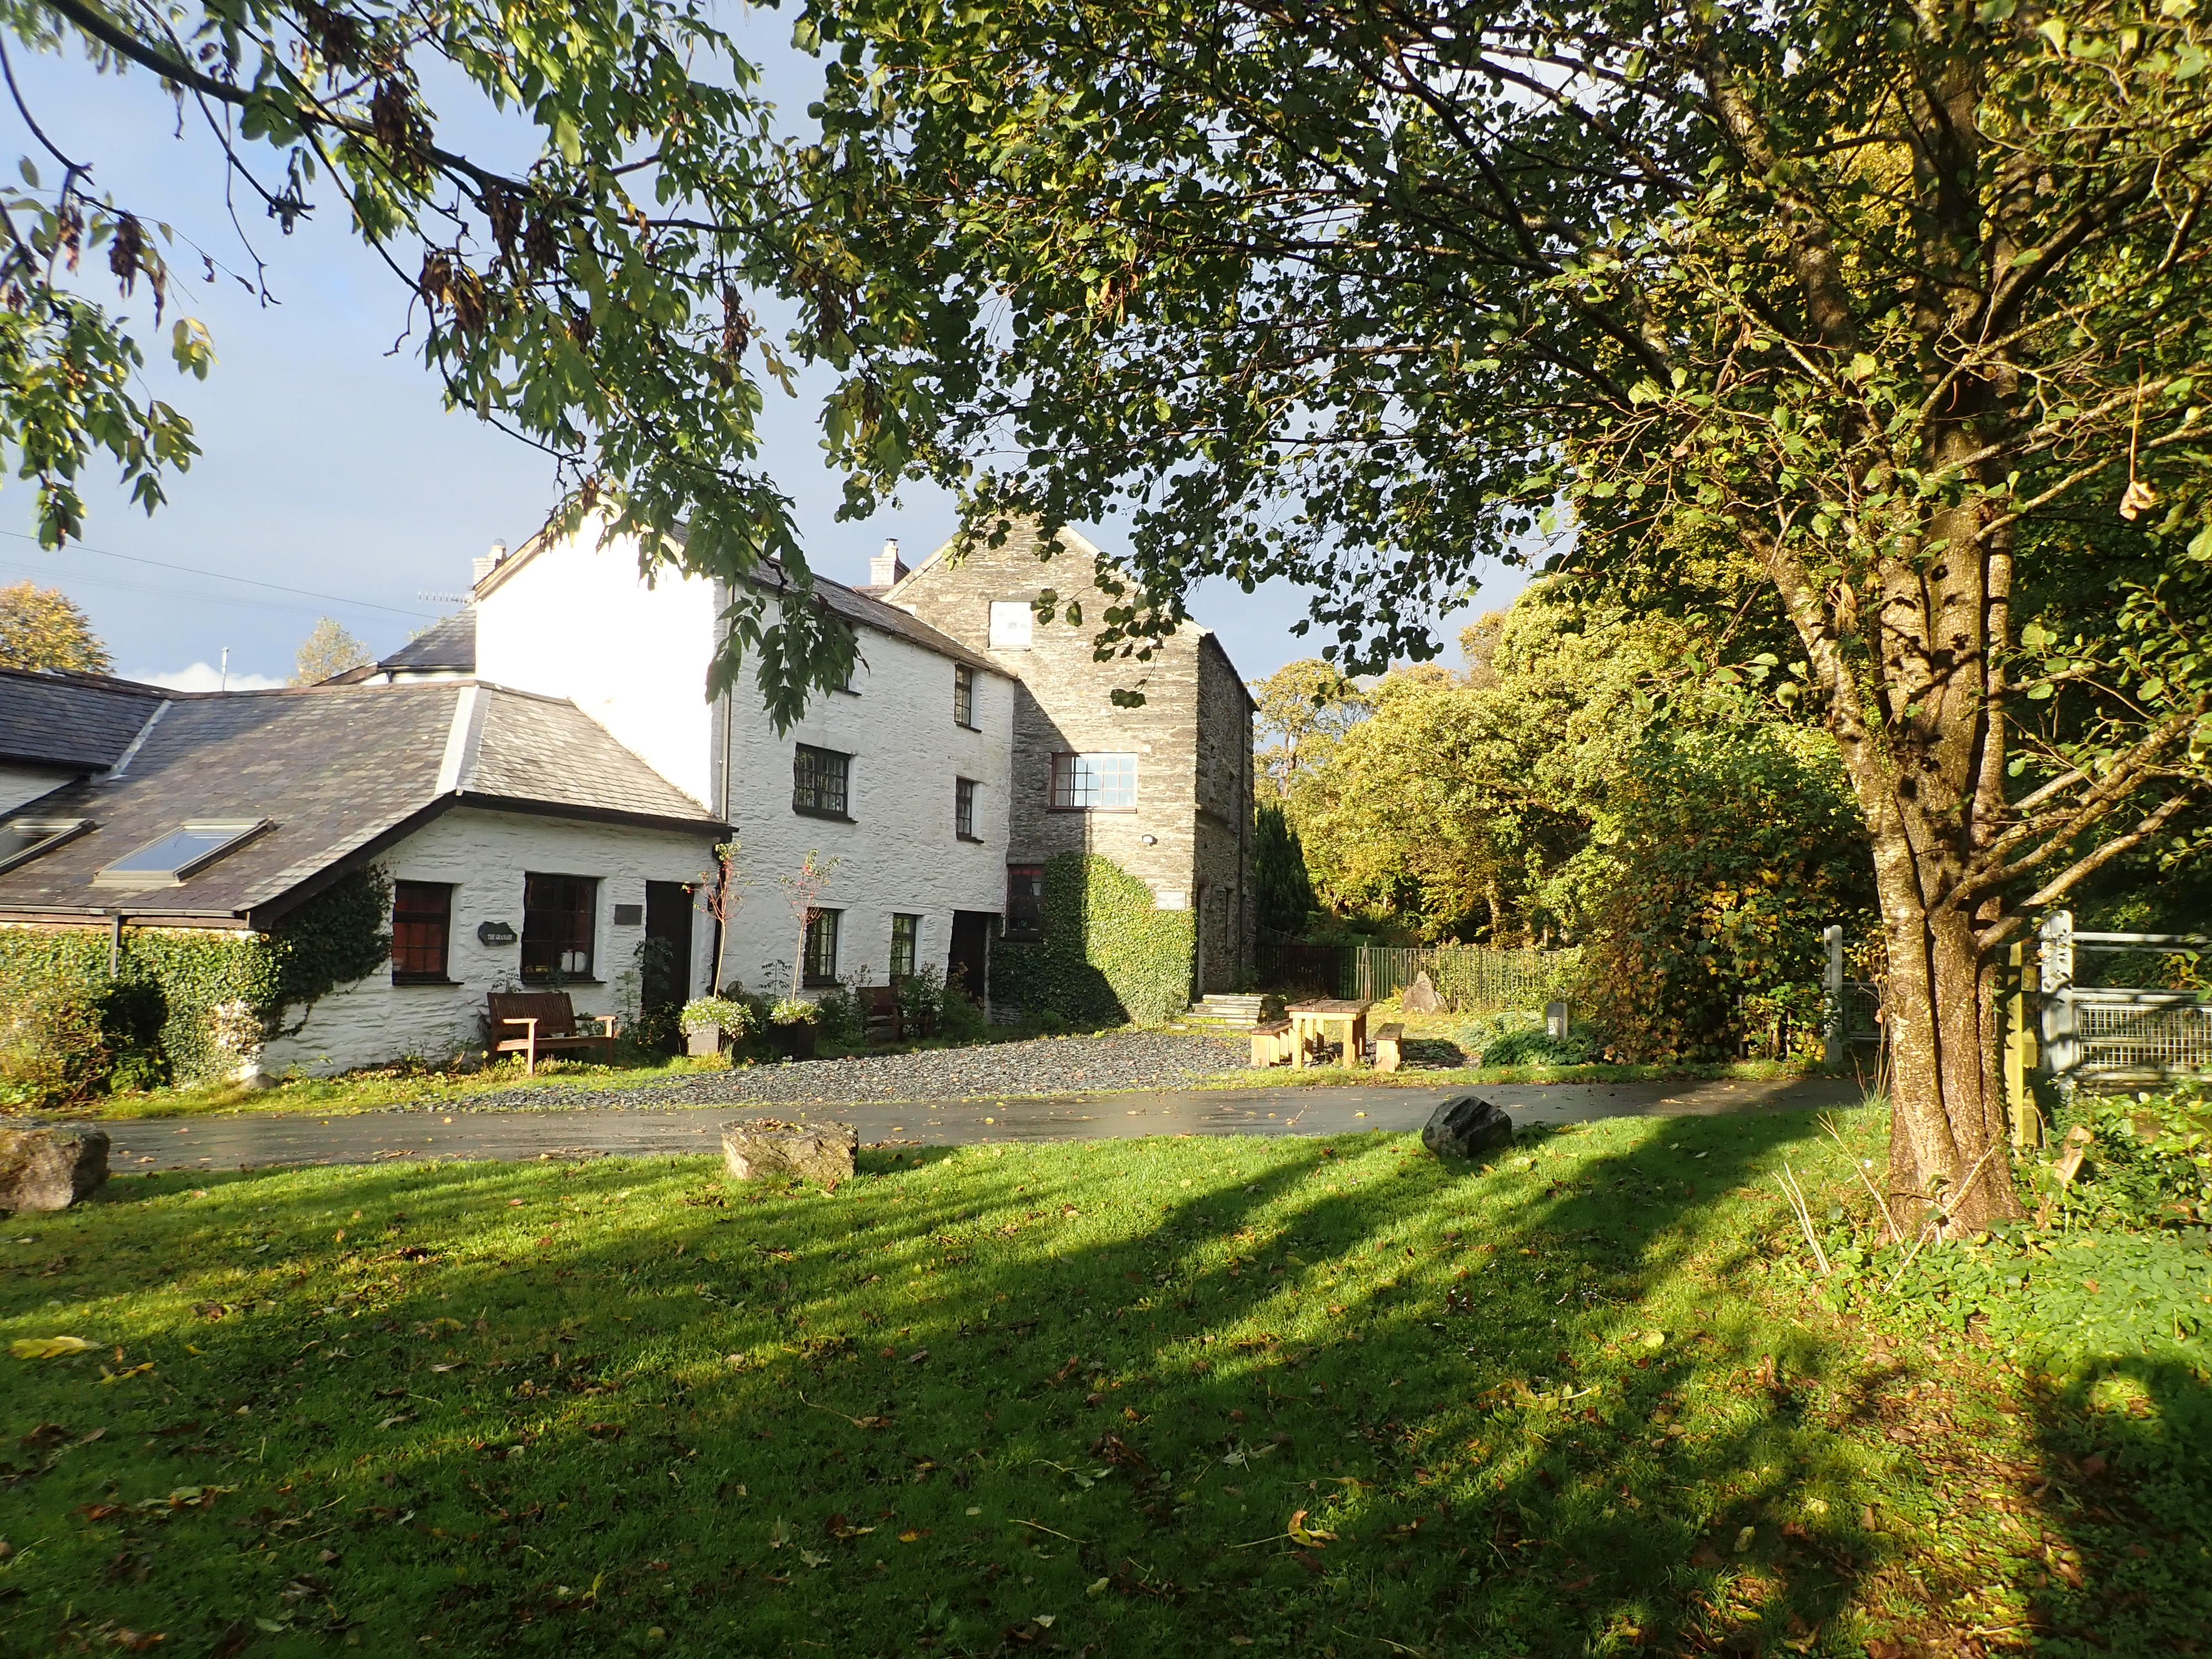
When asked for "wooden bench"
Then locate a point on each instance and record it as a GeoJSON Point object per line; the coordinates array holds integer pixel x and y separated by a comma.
{"type": "Point", "coordinates": [1271, 1043]}
{"type": "Point", "coordinates": [879, 1006]}
{"type": "Point", "coordinates": [1389, 1047]}
{"type": "Point", "coordinates": [547, 1023]}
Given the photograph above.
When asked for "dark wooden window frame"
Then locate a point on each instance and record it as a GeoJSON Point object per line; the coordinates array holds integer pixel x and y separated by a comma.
{"type": "Point", "coordinates": [1024, 902]}
{"type": "Point", "coordinates": [819, 948]}
{"type": "Point", "coordinates": [963, 696]}
{"type": "Point", "coordinates": [906, 945]}
{"type": "Point", "coordinates": [963, 809]}
{"type": "Point", "coordinates": [421, 933]}
{"type": "Point", "coordinates": [821, 783]}
{"type": "Point", "coordinates": [563, 912]}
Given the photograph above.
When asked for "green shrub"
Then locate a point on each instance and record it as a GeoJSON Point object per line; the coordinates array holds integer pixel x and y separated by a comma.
{"type": "Point", "coordinates": [921, 1001]}
{"type": "Point", "coordinates": [1108, 954]}
{"type": "Point", "coordinates": [181, 1005]}
{"type": "Point", "coordinates": [1533, 1045]}
{"type": "Point", "coordinates": [960, 1017]}
{"type": "Point", "coordinates": [2150, 1161]}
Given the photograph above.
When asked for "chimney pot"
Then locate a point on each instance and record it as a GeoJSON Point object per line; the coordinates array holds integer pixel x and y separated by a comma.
{"type": "Point", "coordinates": [885, 569]}
{"type": "Point", "coordinates": [479, 568]}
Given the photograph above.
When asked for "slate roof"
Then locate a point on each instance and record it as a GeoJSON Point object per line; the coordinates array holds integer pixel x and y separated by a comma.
{"type": "Point", "coordinates": [70, 719]}
{"type": "Point", "coordinates": [448, 645]}
{"type": "Point", "coordinates": [339, 773]}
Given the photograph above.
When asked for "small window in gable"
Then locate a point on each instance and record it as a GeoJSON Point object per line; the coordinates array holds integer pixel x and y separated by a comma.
{"type": "Point", "coordinates": [181, 854]}
{"type": "Point", "coordinates": [24, 839]}
{"type": "Point", "coordinates": [1012, 623]}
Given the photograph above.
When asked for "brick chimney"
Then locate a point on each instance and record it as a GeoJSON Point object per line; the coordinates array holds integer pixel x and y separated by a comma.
{"type": "Point", "coordinates": [479, 568]}
{"type": "Point", "coordinates": [885, 570]}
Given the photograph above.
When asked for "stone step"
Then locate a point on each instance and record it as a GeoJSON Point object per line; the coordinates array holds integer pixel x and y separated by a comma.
{"type": "Point", "coordinates": [1224, 1008]}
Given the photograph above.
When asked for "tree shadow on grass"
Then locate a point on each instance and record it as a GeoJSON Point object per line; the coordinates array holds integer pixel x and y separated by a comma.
{"type": "Point", "coordinates": [1153, 1397]}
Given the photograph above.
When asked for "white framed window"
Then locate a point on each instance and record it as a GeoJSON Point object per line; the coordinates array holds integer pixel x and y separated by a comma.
{"type": "Point", "coordinates": [1013, 623]}
{"type": "Point", "coordinates": [1094, 783]}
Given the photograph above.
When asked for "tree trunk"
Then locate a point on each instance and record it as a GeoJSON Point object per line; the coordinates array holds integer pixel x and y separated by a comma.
{"type": "Point", "coordinates": [1949, 1166]}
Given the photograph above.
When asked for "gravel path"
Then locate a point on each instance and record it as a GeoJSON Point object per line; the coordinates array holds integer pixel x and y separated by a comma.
{"type": "Point", "coordinates": [1043, 1065]}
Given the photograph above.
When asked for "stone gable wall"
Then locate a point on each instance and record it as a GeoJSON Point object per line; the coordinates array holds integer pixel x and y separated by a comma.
{"type": "Point", "coordinates": [1192, 736]}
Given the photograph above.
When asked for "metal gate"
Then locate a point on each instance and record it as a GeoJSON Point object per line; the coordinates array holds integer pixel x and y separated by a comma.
{"type": "Point", "coordinates": [2119, 1036]}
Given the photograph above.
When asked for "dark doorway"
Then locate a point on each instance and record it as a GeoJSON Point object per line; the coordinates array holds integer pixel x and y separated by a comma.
{"type": "Point", "coordinates": [969, 962]}
{"type": "Point", "coordinates": [665, 965]}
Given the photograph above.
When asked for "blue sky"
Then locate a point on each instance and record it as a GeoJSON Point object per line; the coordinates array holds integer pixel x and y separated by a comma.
{"type": "Point", "coordinates": [330, 465]}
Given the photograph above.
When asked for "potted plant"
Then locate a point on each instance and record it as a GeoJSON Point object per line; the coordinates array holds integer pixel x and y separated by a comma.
{"type": "Point", "coordinates": [791, 1027]}
{"type": "Point", "coordinates": [708, 1020]}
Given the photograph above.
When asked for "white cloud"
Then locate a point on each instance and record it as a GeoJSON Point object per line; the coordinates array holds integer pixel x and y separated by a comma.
{"type": "Point", "coordinates": [204, 677]}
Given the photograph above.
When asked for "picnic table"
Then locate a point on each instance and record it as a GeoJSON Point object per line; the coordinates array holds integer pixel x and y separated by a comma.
{"type": "Point", "coordinates": [1311, 1021]}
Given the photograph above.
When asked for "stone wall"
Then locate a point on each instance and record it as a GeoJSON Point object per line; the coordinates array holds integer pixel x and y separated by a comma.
{"type": "Point", "coordinates": [1188, 839]}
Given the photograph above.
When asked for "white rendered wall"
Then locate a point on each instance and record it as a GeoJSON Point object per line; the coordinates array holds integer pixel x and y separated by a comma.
{"type": "Point", "coordinates": [577, 621]}
{"type": "Point", "coordinates": [900, 854]}
{"type": "Point", "coordinates": [18, 784]}
{"type": "Point", "coordinates": [485, 855]}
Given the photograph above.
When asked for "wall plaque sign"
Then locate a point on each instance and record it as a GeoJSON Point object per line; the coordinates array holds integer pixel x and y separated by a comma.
{"type": "Point", "coordinates": [496, 932]}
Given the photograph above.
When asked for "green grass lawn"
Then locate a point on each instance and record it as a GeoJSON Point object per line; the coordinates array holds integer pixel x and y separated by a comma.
{"type": "Point", "coordinates": [1157, 1397]}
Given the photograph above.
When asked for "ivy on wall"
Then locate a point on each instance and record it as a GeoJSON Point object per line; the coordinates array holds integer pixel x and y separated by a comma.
{"type": "Point", "coordinates": [1107, 952]}
{"type": "Point", "coordinates": [180, 1005]}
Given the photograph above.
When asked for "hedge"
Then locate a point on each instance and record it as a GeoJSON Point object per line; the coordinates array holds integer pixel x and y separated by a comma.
{"type": "Point", "coordinates": [182, 1005]}
{"type": "Point", "coordinates": [1107, 952]}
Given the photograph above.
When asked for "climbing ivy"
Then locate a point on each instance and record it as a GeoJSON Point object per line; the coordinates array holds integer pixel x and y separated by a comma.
{"type": "Point", "coordinates": [1107, 952]}
{"type": "Point", "coordinates": [340, 935]}
{"type": "Point", "coordinates": [179, 1004]}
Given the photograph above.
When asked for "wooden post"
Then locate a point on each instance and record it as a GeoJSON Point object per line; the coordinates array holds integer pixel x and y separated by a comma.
{"type": "Point", "coordinates": [1836, 1038]}
{"type": "Point", "coordinates": [2017, 1005]}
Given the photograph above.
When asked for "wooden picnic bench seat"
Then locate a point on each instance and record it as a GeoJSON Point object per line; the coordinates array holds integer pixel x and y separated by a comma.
{"type": "Point", "coordinates": [1271, 1043]}
{"type": "Point", "coordinates": [1389, 1047]}
{"type": "Point", "coordinates": [534, 1023]}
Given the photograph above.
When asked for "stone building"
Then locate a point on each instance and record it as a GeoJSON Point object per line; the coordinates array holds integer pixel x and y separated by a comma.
{"type": "Point", "coordinates": [1163, 789]}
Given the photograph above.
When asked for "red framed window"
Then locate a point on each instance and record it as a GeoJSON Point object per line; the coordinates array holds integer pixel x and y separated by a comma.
{"type": "Point", "coordinates": [421, 927]}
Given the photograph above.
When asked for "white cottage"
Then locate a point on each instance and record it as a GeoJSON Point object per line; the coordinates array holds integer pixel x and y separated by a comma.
{"type": "Point", "coordinates": [544, 782]}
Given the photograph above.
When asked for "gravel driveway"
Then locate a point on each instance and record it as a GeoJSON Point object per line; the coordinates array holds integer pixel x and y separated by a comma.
{"type": "Point", "coordinates": [1117, 1060]}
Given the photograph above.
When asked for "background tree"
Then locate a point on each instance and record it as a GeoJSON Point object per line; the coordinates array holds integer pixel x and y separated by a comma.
{"type": "Point", "coordinates": [582, 283]}
{"type": "Point", "coordinates": [1283, 889]}
{"type": "Point", "coordinates": [328, 650]}
{"type": "Point", "coordinates": [43, 628]}
{"type": "Point", "coordinates": [1306, 706]}
{"type": "Point", "coordinates": [1893, 303]}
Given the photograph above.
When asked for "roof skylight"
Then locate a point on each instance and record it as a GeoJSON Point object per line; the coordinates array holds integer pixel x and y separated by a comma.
{"type": "Point", "coordinates": [182, 853]}
{"type": "Point", "coordinates": [24, 839]}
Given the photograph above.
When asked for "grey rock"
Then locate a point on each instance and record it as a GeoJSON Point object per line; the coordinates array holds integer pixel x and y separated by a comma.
{"type": "Point", "coordinates": [1466, 1126]}
{"type": "Point", "coordinates": [51, 1169]}
{"type": "Point", "coordinates": [755, 1149]}
{"type": "Point", "coordinates": [1421, 996]}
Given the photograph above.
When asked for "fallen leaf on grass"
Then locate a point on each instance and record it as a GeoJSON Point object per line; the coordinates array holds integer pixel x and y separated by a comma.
{"type": "Point", "coordinates": [132, 1642]}
{"type": "Point", "coordinates": [812, 1559]}
{"type": "Point", "coordinates": [48, 1348]}
{"type": "Point", "coordinates": [1312, 1537]}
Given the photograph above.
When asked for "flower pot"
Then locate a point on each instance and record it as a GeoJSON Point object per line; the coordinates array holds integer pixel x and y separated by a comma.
{"type": "Point", "coordinates": [794, 1041]}
{"type": "Point", "coordinates": [704, 1044]}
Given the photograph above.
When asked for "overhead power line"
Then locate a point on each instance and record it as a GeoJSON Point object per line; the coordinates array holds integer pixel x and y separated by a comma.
{"type": "Point", "coordinates": [224, 576]}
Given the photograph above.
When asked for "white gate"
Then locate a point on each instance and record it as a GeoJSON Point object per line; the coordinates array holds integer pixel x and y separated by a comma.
{"type": "Point", "coordinates": [2118, 1035]}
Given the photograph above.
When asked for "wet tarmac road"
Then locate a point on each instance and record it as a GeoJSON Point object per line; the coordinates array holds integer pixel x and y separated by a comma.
{"type": "Point", "coordinates": [263, 1140]}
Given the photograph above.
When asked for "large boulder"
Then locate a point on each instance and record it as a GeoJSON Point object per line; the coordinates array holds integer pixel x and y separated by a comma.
{"type": "Point", "coordinates": [1466, 1126]}
{"type": "Point", "coordinates": [1420, 997]}
{"type": "Point", "coordinates": [51, 1169]}
{"type": "Point", "coordinates": [756, 1148]}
